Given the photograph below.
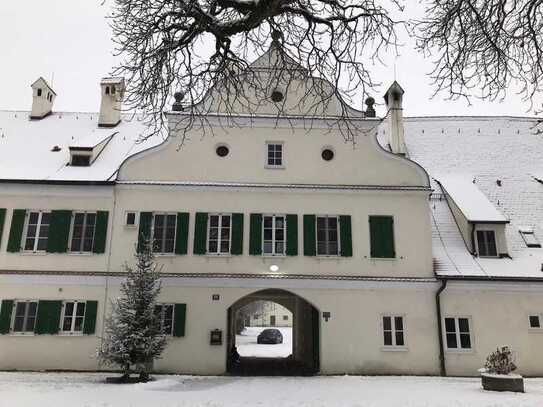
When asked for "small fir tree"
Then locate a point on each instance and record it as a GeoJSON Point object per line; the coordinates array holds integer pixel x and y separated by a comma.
{"type": "Point", "coordinates": [500, 361]}
{"type": "Point", "coordinates": [133, 337]}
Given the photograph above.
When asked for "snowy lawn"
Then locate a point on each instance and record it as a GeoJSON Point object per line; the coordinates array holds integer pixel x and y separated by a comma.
{"type": "Point", "coordinates": [247, 346]}
{"type": "Point", "coordinates": [88, 390]}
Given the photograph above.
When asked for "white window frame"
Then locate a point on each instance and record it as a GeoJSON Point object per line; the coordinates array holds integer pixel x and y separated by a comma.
{"type": "Point", "coordinates": [219, 238]}
{"type": "Point", "coordinates": [393, 331]}
{"type": "Point", "coordinates": [161, 318]}
{"type": "Point", "coordinates": [485, 230]}
{"type": "Point", "coordinates": [38, 228]}
{"type": "Point", "coordinates": [540, 316]}
{"type": "Point", "coordinates": [72, 330]}
{"type": "Point", "coordinates": [14, 314]}
{"type": "Point", "coordinates": [72, 224]}
{"type": "Point", "coordinates": [327, 242]}
{"type": "Point", "coordinates": [273, 143]}
{"type": "Point", "coordinates": [163, 253]}
{"type": "Point", "coordinates": [126, 225]}
{"type": "Point", "coordinates": [459, 348]}
{"type": "Point", "coordinates": [274, 254]}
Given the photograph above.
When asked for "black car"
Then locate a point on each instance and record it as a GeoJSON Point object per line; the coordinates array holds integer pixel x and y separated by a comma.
{"type": "Point", "coordinates": [268, 336]}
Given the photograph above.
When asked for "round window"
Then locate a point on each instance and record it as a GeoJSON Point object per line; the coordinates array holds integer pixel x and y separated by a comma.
{"type": "Point", "coordinates": [222, 151]}
{"type": "Point", "coordinates": [327, 154]}
{"type": "Point", "coordinates": [277, 96]}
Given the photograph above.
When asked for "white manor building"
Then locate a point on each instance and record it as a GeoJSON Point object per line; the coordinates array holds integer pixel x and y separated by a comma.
{"type": "Point", "coordinates": [413, 250]}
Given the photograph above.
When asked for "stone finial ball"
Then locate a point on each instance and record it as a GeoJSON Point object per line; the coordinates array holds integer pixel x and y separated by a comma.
{"type": "Point", "coordinates": [370, 101]}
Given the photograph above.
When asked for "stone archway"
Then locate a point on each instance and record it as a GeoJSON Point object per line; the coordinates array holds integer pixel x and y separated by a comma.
{"type": "Point", "coordinates": [305, 358]}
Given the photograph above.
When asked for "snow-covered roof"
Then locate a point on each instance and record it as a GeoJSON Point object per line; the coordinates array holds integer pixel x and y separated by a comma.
{"type": "Point", "coordinates": [26, 146]}
{"type": "Point", "coordinates": [502, 156]}
{"type": "Point", "coordinates": [470, 200]}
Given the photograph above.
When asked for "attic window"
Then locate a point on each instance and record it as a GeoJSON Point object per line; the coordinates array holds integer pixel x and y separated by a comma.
{"type": "Point", "coordinates": [80, 160]}
{"type": "Point", "coordinates": [39, 91]}
{"type": "Point", "coordinates": [113, 90]}
{"type": "Point", "coordinates": [529, 237]}
{"type": "Point", "coordinates": [107, 90]}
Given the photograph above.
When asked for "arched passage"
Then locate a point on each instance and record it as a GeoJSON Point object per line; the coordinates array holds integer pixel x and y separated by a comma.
{"type": "Point", "coordinates": [304, 359]}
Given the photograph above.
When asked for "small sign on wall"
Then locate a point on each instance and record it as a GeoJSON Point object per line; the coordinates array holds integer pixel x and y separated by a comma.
{"type": "Point", "coordinates": [215, 297]}
{"type": "Point", "coordinates": [326, 315]}
{"type": "Point", "coordinates": [215, 337]}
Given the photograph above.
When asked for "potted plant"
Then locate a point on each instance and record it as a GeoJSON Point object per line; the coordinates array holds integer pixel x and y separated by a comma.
{"type": "Point", "coordinates": [497, 375]}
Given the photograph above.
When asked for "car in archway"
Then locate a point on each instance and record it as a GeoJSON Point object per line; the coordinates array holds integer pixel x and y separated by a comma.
{"type": "Point", "coordinates": [270, 336]}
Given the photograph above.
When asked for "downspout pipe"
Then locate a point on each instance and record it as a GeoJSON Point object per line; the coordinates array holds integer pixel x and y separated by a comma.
{"type": "Point", "coordinates": [442, 368]}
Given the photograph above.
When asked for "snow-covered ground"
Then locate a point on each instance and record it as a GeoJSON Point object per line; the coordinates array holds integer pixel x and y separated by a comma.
{"type": "Point", "coordinates": [247, 346]}
{"type": "Point", "coordinates": [88, 390]}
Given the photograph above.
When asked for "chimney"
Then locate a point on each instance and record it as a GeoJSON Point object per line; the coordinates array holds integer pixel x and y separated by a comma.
{"type": "Point", "coordinates": [394, 100]}
{"type": "Point", "coordinates": [43, 97]}
{"type": "Point", "coordinates": [110, 107]}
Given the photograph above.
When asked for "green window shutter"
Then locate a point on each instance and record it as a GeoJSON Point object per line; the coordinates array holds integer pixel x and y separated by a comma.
{"type": "Point", "coordinates": [255, 240]}
{"type": "Point", "coordinates": [48, 319]}
{"type": "Point", "coordinates": [59, 231]}
{"type": "Point", "coordinates": [237, 234]}
{"type": "Point", "coordinates": [2, 220]}
{"type": "Point", "coordinates": [16, 231]}
{"type": "Point", "coordinates": [100, 233]}
{"type": "Point", "coordinates": [89, 325]}
{"type": "Point", "coordinates": [309, 236]}
{"type": "Point", "coordinates": [182, 233]}
{"type": "Point", "coordinates": [5, 316]}
{"type": "Point", "coordinates": [200, 233]}
{"type": "Point", "coordinates": [180, 317]}
{"type": "Point", "coordinates": [292, 235]}
{"type": "Point", "coordinates": [144, 232]}
{"type": "Point", "coordinates": [346, 239]}
{"type": "Point", "coordinates": [382, 237]}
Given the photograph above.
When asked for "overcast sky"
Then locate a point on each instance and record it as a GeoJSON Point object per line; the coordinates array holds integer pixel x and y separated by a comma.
{"type": "Point", "coordinates": [68, 42]}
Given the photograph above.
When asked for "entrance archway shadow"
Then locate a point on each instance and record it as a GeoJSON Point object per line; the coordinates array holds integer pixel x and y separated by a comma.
{"type": "Point", "coordinates": [305, 357]}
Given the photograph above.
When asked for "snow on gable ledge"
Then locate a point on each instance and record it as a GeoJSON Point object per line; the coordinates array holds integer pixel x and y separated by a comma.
{"type": "Point", "coordinates": [470, 200]}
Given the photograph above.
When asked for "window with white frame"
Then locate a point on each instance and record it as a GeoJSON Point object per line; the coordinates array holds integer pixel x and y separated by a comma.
{"type": "Point", "coordinates": [457, 333]}
{"type": "Point", "coordinates": [536, 321]}
{"type": "Point", "coordinates": [164, 313]}
{"type": "Point", "coordinates": [73, 316]}
{"type": "Point", "coordinates": [219, 234]}
{"type": "Point", "coordinates": [274, 235]}
{"type": "Point", "coordinates": [275, 154]}
{"type": "Point", "coordinates": [164, 225]}
{"type": "Point", "coordinates": [37, 231]}
{"type": "Point", "coordinates": [83, 228]}
{"type": "Point", "coordinates": [486, 243]}
{"type": "Point", "coordinates": [393, 331]}
{"type": "Point", "coordinates": [327, 236]}
{"type": "Point", "coordinates": [130, 220]}
{"type": "Point", "coordinates": [25, 316]}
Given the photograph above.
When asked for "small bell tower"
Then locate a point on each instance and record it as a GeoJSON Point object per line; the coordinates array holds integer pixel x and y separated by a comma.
{"type": "Point", "coordinates": [394, 102]}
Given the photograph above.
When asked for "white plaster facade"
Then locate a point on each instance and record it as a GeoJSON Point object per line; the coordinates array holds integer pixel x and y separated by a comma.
{"type": "Point", "coordinates": [353, 294]}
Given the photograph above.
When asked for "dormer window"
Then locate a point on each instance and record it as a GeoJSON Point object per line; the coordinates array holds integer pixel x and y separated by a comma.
{"type": "Point", "coordinates": [80, 160]}
{"type": "Point", "coordinates": [39, 91]}
{"type": "Point", "coordinates": [529, 237]}
{"type": "Point", "coordinates": [486, 243]}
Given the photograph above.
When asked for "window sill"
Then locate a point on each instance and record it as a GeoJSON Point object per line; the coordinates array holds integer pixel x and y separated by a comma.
{"type": "Point", "coordinates": [70, 334]}
{"type": "Point", "coordinates": [460, 351]}
{"type": "Point", "coordinates": [394, 349]}
{"type": "Point", "coordinates": [29, 253]}
{"type": "Point", "coordinates": [80, 253]}
{"type": "Point", "coordinates": [331, 257]}
{"type": "Point", "coordinates": [536, 330]}
{"type": "Point", "coordinates": [274, 256]}
{"type": "Point", "coordinates": [22, 334]}
{"type": "Point", "coordinates": [274, 167]}
{"type": "Point", "coordinates": [383, 258]}
{"type": "Point", "coordinates": [164, 254]}
{"type": "Point", "coordinates": [218, 256]}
